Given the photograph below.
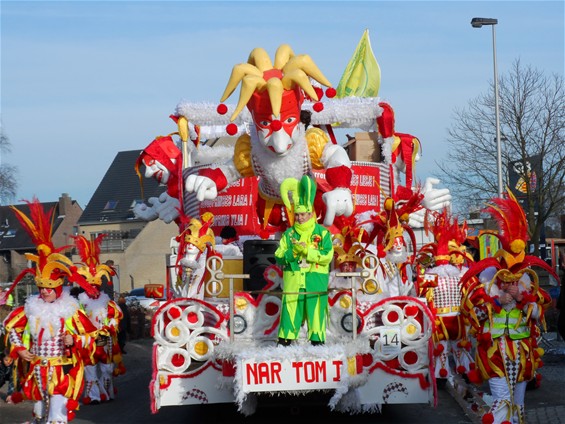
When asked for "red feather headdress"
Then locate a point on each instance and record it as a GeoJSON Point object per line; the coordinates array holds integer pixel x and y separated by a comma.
{"type": "Point", "coordinates": [89, 252]}
{"type": "Point", "coordinates": [51, 267]}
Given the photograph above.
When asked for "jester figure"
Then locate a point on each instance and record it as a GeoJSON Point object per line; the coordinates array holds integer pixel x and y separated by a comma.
{"type": "Point", "coordinates": [105, 314]}
{"type": "Point", "coordinates": [278, 144]}
{"type": "Point", "coordinates": [505, 306]}
{"type": "Point", "coordinates": [305, 253]}
{"type": "Point", "coordinates": [441, 264]}
{"type": "Point", "coordinates": [48, 334]}
{"type": "Point", "coordinates": [388, 229]}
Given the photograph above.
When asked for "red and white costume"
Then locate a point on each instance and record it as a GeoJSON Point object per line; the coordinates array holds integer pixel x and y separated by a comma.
{"type": "Point", "coordinates": [505, 305]}
{"type": "Point", "coordinates": [105, 314]}
{"type": "Point", "coordinates": [50, 332]}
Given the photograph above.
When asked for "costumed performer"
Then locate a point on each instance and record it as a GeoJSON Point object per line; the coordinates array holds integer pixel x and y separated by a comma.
{"type": "Point", "coordinates": [305, 253]}
{"type": "Point", "coordinates": [505, 306]}
{"type": "Point", "coordinates": [106, 315]}
{"type": "Point", "coordinates": [441, 264]}
{"type": "Point", "coordinates": [278, 145]}
{"type": "Point", "coordinates": [50, 331]}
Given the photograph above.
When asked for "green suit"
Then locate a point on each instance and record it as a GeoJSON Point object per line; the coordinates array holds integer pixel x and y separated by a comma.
{"type": "Point", "coordinates": [313, 278]}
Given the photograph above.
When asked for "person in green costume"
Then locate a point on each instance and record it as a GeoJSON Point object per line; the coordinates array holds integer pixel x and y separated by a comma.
{"type": "Point", "coordinates": [305, 253]}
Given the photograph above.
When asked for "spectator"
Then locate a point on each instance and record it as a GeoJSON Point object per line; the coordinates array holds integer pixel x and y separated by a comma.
{"type": "Point", "coordinates": [230, 242]}
{"type": "Point", "coordinates": [561, 299]}
{"type": "Point", "coordinates": [6, 374]}
{"type": "Point", "coordinates": [125, 324]}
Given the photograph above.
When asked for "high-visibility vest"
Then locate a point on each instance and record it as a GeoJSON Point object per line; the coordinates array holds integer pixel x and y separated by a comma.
{"type": "Point", "coordinates": [506, 322]}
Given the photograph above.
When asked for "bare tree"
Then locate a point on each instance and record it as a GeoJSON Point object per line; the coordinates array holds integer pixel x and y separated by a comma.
{"type": "Point", "coordinates": [532, 124]}
{"type": "Point", "coordinates": [8, 173]}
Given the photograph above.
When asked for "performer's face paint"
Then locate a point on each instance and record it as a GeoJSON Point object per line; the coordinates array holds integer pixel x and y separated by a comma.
{"type": "Point", "coordinates": [398, 253]}
{"type": "Point", "coordinates": [155, 169]}
{"type": "Point", "coordinates": [48, 295]}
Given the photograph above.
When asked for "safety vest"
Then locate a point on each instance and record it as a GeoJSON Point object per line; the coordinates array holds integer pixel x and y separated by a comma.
{"type": "Point", "coordinates": [508, 323]}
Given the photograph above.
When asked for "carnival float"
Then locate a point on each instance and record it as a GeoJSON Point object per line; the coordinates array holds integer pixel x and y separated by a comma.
{"type": "Point", "coordinates": [216, 340]}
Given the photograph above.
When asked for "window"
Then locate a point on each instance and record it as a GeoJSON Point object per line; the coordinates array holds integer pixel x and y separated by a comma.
{"type": "Point", "coordinates": [111, 205]}
{"type": "Point", "coordinates": [10, 233]}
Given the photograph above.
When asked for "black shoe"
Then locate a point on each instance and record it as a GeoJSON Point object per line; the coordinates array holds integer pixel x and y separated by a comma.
{"type": "Point", "coordinates": [316, 342]}
{"type": "Point", "coordinates": [284, 342]}
{"type": "Point", "coordinates": [95, 402]}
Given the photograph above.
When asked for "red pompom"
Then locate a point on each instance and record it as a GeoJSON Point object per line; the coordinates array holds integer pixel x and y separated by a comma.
{"type": "Point", "coordinates": [381, 251]}
{"type": "Point", "coordinates": [72, 404]}
{"type": "Point", "coordinates": [86, 400]}
{"type": "Point", "coordinates": [474, 377]}
{"type": "Point", "coordinates": [231, 129]}
{"type": "Point", "coordinates": [318, 107]}
{"type": "Point", "coordinates": [103, 398]}
{"type": "Point", "coordinates": [70, 415]}
{"type": "Point", "coordinates": [488, 418]}
{"type": "Point", "coordinates": [222, 109]}
{"type": "Point", "coordinates": [319, 93]}
{"type": "Point", "coordinates": [330, 93]}
{"type": "Point", "coordinates": [506, 422]}
{"type": "Point", "coordinates": [443, 373]}
{"type": "Point", "coordinates": [461, 369]}
{"type": "Point", "coordinates": [438, 350]}
{"type": "Point", "coordinates": [17, 397]}
{"type": "Point", "coordinates": [276, 125]}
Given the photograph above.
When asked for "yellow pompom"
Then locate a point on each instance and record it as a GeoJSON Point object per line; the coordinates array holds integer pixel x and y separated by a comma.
{"type": "Point", "coordinates": [517, 246]}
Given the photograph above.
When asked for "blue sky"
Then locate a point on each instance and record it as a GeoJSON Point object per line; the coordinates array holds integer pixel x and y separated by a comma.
{"type": "Point", "coordinates": [82, 81]}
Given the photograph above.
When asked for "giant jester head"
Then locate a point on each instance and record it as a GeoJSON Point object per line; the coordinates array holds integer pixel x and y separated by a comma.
{"type": "Point", "coordinates": [274, 94]}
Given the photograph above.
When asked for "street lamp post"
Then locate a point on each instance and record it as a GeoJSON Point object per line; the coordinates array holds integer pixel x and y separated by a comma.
{"type": "Point", "coordinates": [478, 23]}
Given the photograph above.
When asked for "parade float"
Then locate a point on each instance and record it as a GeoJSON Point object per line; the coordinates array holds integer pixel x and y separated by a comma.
{"type": "Point", "coordinates": [215, 341]}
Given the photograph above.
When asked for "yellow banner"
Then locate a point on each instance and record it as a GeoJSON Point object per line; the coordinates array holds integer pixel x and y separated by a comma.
{"type": "Point", "coordinates": [362, 76]}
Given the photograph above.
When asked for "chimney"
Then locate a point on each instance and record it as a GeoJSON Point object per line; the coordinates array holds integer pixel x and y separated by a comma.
{"type": "Point", "coordinates": [64, 204]}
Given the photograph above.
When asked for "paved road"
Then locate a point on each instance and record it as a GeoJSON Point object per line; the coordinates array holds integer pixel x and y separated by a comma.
{"type": "Point", "coordinates": [132, 405]}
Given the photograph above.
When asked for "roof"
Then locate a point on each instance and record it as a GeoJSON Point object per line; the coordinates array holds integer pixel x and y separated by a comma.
{"type": "Point", "coordinates": [12, 234]}
{"type": "Point", "coordinates": [118, 192]}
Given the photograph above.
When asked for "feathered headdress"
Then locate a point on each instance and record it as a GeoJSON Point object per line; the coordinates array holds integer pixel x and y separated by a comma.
{"type": "Point", "coordinates": [449, 237]}
{"type": "Point", "coordinates": [89, 252]}
{"type": "Point", "coordinates": [51, 267]}
{"type": "Point", "coordinates": [510, 260]}
{"type": "Point", "coordinates": [348, 243]}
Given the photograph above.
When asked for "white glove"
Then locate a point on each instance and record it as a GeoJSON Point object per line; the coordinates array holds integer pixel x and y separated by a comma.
{"type": "Point", "coordinates": [164, 207]}
{"type": "Point", "coordinates": [147, 213]}
{"type": "Point", "coordinates": [338, 202]}
{"type": "Point", "coordinates": [416, 219]}
{"type": "Point", "coordinates": [204, 187]}
{"type": "Point", "coordinates": [167, 208]}
{"type": "Point", "coordinates": [435, 199]}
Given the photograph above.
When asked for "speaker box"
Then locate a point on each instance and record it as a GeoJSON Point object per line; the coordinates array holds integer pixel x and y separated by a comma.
{"type": "Point", "coordinates": [257, 256]}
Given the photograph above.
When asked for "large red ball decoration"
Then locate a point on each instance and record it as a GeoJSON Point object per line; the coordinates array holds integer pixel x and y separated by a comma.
{"type": "Point", "coordinates": [192, 317]}
{"type": "Point", "coordinates": [222, 109]}
{"type": "Point", "coordinates": [174, 312]}
{"type": "Point", "coordinates": [319, 92]}
{"type": "Point", "coordinates": [271, 308]}
{"type": "Point", "coordinates": [330, 93]}
{"type": "Point", "coordinates": [411, 357]}
{"type": "Point", "coordinates": [231, 129]}
{"type": "Point", "coordinates": [318, 107]}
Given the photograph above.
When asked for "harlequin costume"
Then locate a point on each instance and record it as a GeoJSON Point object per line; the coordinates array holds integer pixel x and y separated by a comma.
{"type": "Point", "coordinates": [305, 268]}
{"type": "Point", "coordinates": [55, 376]}
{"type": "Point", "coordinates": [441, 264]}
{"type": "Point", "coordinates": [506, 331]}
{"type": "Point", "coordinates": [106, 315]}
{"type": "Point", "coordinates": [278, 146]}
{"type": "Point", "coordinates": [387, 229]}
{"type": "Point", "coordinates": [196, 246]}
